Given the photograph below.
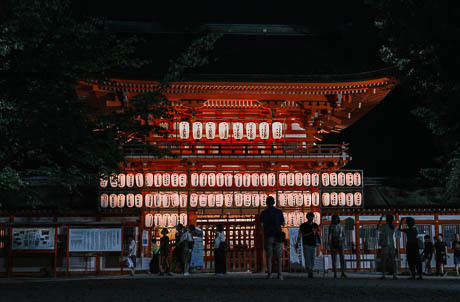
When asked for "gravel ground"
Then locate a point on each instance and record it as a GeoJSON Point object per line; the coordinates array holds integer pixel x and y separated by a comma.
{"type": "Point", "coordinates": [233, 287]}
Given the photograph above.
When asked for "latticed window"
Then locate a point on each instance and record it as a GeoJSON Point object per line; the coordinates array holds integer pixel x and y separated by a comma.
{"type": "Point", "coordinates": [368, 237]}
{"type": "Point", "coordinates": [449, 232]}
{"type": "Point", "coordinates": [3, 240]}
{"type": "Point", "coordinates": [128, 232]}
{"type": "Point", "coordinates": [347, 244]}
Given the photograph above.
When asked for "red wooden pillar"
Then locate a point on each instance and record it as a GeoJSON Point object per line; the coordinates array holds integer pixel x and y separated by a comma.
{"type": "Point", "coordinates": [55, 250]}
{"type": "Point", "coordinates": [67, 253]}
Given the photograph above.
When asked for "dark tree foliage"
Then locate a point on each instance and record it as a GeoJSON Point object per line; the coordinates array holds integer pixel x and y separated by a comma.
{"type": "Point", "coordinates": [423, 41]}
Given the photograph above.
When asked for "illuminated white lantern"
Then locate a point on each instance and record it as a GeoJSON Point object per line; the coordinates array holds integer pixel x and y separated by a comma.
{"type": "Point", "coordinates": [174, 219]}
{"type": "Point", "coordinates": [211, 179]}
{"type": "Point", "coordinates": [148, 200]}
{"type": "Point", "coordinates": [255, 179]}
{"type": "Point", "coordinates": [184, 130]}
{"type": "Point", "coordinates": [282, 199]}
{"type": "Point", "coordinates": [300, 218]}
{"type": "Point", "coordinates": [325, 179]}
{"type": "Point", "coordinates": [277, 129]}
{"type": "Point", "coordinates": [175, 180]}
{"type": "Point", "coordinates": [341, 179]}
{"type": "Point", "coordinates": [290, 179]}
{"type": "Point", "coordinates": [103, 182]}
{"type": "Point", "coordinates": [203, 179]}
{"type": "Point", "coordinates": [317, 218]}
{"type": "Point", "coordinates": [342, 199]}
{"type": "Point", "coordinates": [211, 200]}
{"type": "Point", "coordinates": [238, 179]}
{"type": "Point", "coordinates": [138, 200]}
{"type": "Point", "coordinates": [263, 179]}
{"type": "Point", "coordinates": [148, 220]}
{"type": "Point", "coordinates": [255, 199]}
{"type": "Point", "coordinates": [157, 219]}
{"type": "Point", "coordinates": [264, 130]}
{"type": "Point", "coordinates": [291, 199]}
{"type": "Point", "coordinates": [139, 180]}
{"type": "Point", "coordinates": [130, 200]}
{"type": "Point", "coordinates": [307, 179]}
{"type": "Point", "coordinates": [246, 179]}
{"type": "Point", "coordinates": [326, 199]}
{"type": "Point", "coordinates": [113, 179]}
{"type": "Point", "coordinates": [130, 180]}
{"type": "Point", "coordinates": [282, 179]}
{"type": "Point", "coordinates": [271, 179]}
{"type": "Point", "coordinates": [228, 179]}
{"type": "Point", "coordinates": [291, 219]}
{"type": "Point", "coordinates": [298, 199]}
{"type": "Point", "coordinates": [219, 200]}
{"type": "Point", "coordinates": [194, 200]}
{"type": "Point", "coordinates": [263, 199]}
{"type": "Point", "coordinates": [182, 180]}
{"type": "Point", "coordinates": [166, 219]}
{"type": "Point", "coordinates": [334, 199]}
{"type": "Point", "coordinates": [358, 199]}
{"type": "Point", "coordinates": [247, 200]}
{"type": "Point", "coordinates": [315, 179]}
{"type": "Point", "coordinates": [238, 200]}
{"type": "Point", "coordinates": [157, 200]}
{"type": "Point", "coordinates": [307, 199]}
{"type": "Point", "coordinates": [166, 179]}
{"type": "Point", "coordinates": [203, 201]}
{"type": "Point", "coordinates": [183, 200]}
{"type": "Point", "coordinates": [228, 199]}
{"type": "Point", "coordinates": [251, 129]}
{"type": "Point", "coordinates": [349, 199]}
{"type": "Point", "coordinates": [298, 179]}
{"type": "Point", "coordinates": [165, 200]}
{"type": "Point", "coordinates": [157, 180]}
{"type": "Point", "coordinates": [113, 199]}
{"type": "Point", "coordinates": [210, 130]}
{"type": "Point", "coordinates": [333, 179]}
{"type": "Point", "coordinates": [104, 200]}
{"type": "Point", "coordinates": [148, 179]}
{"type": "Point", "coordinates": [175, 200]}
{"type": "Point", "coordinates": [121, 180]}
{"type": "Point", "coordinates": [357, 179]}
{"type": "Point", "coordinates": [315, 199]}
{"type": "Point", "coordinates": [194, 179]}
{"type": "Point", "coordinates": [349, 179]}
{"type": "Point", "coordinates": [238, 130]}
{"type": "Point", "coordinates": [223, 130]}
{"type": "Point", "coordinates": [183, 219]}
{"type": "Point", "coordinates": [197, 130]}
{"type": "Point", "coordinates": [220, 179]}
{"type": "Point", "coordinates": [286, 218]}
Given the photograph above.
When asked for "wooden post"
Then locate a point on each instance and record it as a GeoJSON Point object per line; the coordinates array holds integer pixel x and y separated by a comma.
{"type": "Point", "coordinates": [55, 250]}
{"type": "Point", "coordinates": [10, 255]}
{"type": "Point", "coordinates": [67, 253]}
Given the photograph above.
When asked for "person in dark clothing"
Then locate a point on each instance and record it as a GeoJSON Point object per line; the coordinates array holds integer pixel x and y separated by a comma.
{"type": "Point", "coordinates": [441, 254]}
{"type": "Point", "coordinates": [427, 254]}
{"type": "Point", "coordinates": [177, 251]}
{"type": "Point", "coordinates": [164, 253]}
{"type": "Point", "coordinates": [336, 236]}
{"type": "Point", "coordinates": [220, 247]}
{"type": "Point", "coordinates": [271, 220]}
{"type": "Point", "coordinates": [413, 255]}
{"type": "Point", "coordinates": [154, 265]}
{"type": "Point", "coordinates": [309, 231]}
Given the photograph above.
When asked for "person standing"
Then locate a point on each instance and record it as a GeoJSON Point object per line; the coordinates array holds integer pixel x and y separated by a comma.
{"type": "Point", "coordinates": [427, 254]}
{"type": "Point", "coordinates": [456, 248]}
{"type": "Point", "coordinates": [412, 246]}
{"type": "Point", "coordinates": [387, 243]}
{"type": "Point", "coordinates": [154, 266]}
{"type": "Point", "coordinates": [336, 237]}
{"type": "Point", "coordinates": [441, 254]}
{"type": "Point", "coordinates": [220, 247]}
{"type": "Point", "coordinates": [164, 253]}
{"type": "Point", "coordinates": [309, 231]}
{"type": "Point", "coordinates": [177, 252]}
{"type": "Point", "coordinates": [132, 255]}
{"type": "Point", "coordinates": [271, 220]}
{"type": "Point", "coordinates": [186, 242]}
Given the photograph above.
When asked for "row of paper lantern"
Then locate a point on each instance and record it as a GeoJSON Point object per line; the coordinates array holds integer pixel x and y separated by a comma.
{"type": "Point", "coordinates": [212, 130]}
{"type": "Point", "coordinates": [165, 220]}
{"type": "Point", "coordinates": [297, 218]}
{"type": "Point", "coordinates": [229, 179]}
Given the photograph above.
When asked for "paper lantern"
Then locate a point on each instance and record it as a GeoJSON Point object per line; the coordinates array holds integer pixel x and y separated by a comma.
{"type": "Point", "coordinates": [315, 199]}
{"type": "Point", "coordinates": [175, 180]}
{"type": "Point", "coordinates": [166, 219]}
{"type": "Point", "coordinates": [139, 180]}
{"type": "Point", "coordinates": [148, 179]}
{"type": "Point", "coordinates": [255, 200]}
{"type": "Point", "coordinates": [103, 182]}
{"type": "Point", "coordinates": [210, 130]}
{"type": "Point", "coordinates": [300, 218]}
{"type": "Point", "coordinates": [326, 199]}
{"type": "Point", "coordinates": [219, 200]}
{"type": "Point", "coordinates": [121, 180]}
{"type": "Point", "coordinates": [307, 199]}
{"type": "Point", "coordinates": [291, 219]}
{"type": "Point", "coordinates": [182, 180]}
{"type": "Point", "coordinates": [282, 179]}
{"type": "Point", "coordinates": [315, 179]}
{"type": "Point", "coordinates": [277, 130]}
{"type": "Point", "coordinates": [203, 179]}
{"type": "Point", "coordinates": [255, 179]}
{"type": "Point", "coordinates": [104, 200]}
{"type": "Point", "coordinates": [298, 179]}
{"type": "Point", "coordinates": [203, 200]}
{"type": "Point", "coordinates": [211, 200]}
{"type": "Point", "coordinates": [358, 199]}
{"type": "Point", "coordinates": [157, 219]}
{"type": "Point", "coordinates": [211, 179]}
{"type": "Point", "coordinates": [246, 180]}
{"type": "Point", "coordinates": [237, 130]}
{"type": "Point", "coordinates": [148, 220]}
{"type": "Point", "coordinates": [247, 199]}
{"type": "Point", "coordinates": [157, 200]}
{"type": "Point", "coordinates": [307, 179]}
{"type": "Point", "coordinates": [223, 130]}
{"type": "Point", "coordinates": [175, 200]}
{"type": "Point", "coordinates": [197, 130]}
{"type": "Point", "coordinates": [228, 179]}
{"type": "Point", "coordinates": [298, 199]}
{"type": "Point", "coordinates": [157, 180]}
{"type": "Point", "coordinates": [130, 200]}
{"type": "Point", "coordinates": [263, 179]}
{"type": "Point", "coordinates": [138, 200]}
{"type": "Point", "coordinates": [357, 179]}
{"type": "Point", "coordinates": [333, 179]}
{"type": "Point", "coordinates": [130, 180]}
{"type": "Point", "coordinates": [113, 200]}
{"type": "Point", "coordinates": [290, 179]}
{"type": "Point", "coordinates": [113, 181]}
{"type": "Point", "coordinates": [238, 179]}
{"type": "Point", "coordinates": [228, 199]}
{"type": "Point", "coordinates": [334, 199]}
{"type": "Point", "coordinates": [174, 219]}
{"type": "Point", "coordinates": [194, 200]}
{"type": "Point", "coordinates": [251, 129]}
{"type": "Point", "coordinates": [342, 199]}
{"type": "Point", "coordinates": [264, 130]}
{"type": "Point", "coordinates": [349, 199]}
{"type": "Point", "coordinates": [165, 200]}
{"type": "Point", "coordinates": [325, 179]}
{"type": "Point", "coordinates": [194, 179]}
{"type": "Point", "coordinates": [271, 179]}
{"type": "Point", "coordinates": [184, 130]}
{"type": "Point", "coordinates": [317, 218]}
{"type": "Point", "coordinates": [148, 200]}
{"type": "Point", "coordinates": [183, 200]}
{"type": "Point", "coordinates": [238, 200]}
{"type": "Point", "coordinates": [341, 179]}
{"type": "Point", "coordinates": [166, 179]}
{"type": "Point", "coordinates": [263, 199]}
{"type": "Point", "coordinates": [349, 179]}
{"type": "Point", "coordinates": [286, 218]}
{"type": "Point", "coordinates": [183, 219]}
{"type": "Point", "coordinates": [291, 199]}
{"type": "Point", "coordinates": [220, 179]}
{"type": "Point", "coordinates": [282, 199]}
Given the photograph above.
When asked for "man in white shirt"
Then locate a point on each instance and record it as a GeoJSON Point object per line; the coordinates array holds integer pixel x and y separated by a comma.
{"type": "Point", "coordinates": [132, 255]}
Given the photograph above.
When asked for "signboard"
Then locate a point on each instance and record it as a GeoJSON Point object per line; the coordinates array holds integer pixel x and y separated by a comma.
{"type": "Point", "coordinates": [33, 239]}
{"type": "Point", "coordinates": [197, 252]}
{"type": "Point", "coordinates": [296, 258]}
{"type": "Point", "coordinates": [95, 240]}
